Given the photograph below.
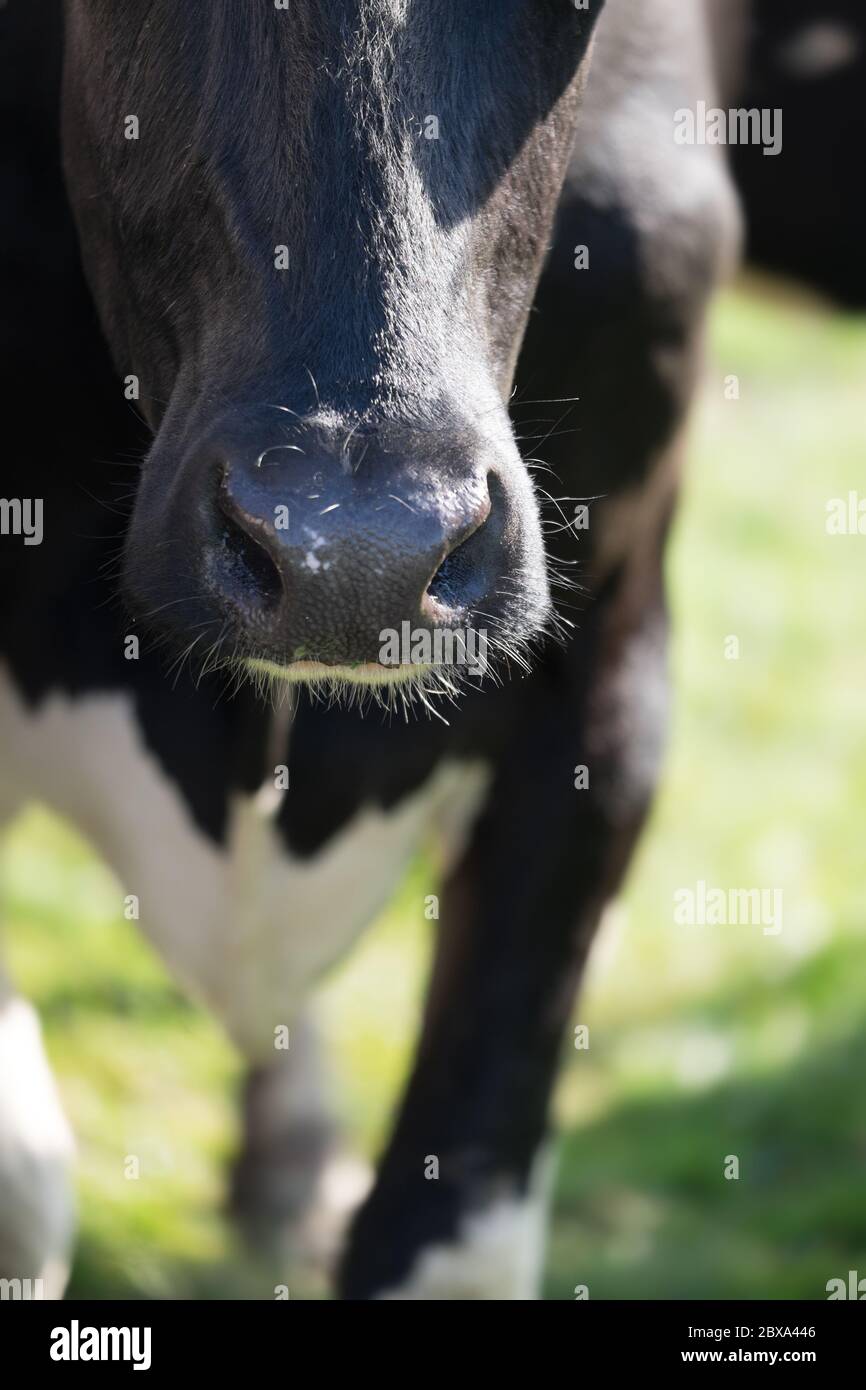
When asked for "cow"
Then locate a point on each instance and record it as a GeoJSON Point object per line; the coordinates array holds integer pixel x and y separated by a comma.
{"type": "Point", "coordinates": [327, 323]}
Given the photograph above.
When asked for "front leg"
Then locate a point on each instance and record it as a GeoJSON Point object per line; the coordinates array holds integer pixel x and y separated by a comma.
{"type": "Point", "coordinates": [456, 1212]}
{"type": "Point", "coordinates": [292, 1185]}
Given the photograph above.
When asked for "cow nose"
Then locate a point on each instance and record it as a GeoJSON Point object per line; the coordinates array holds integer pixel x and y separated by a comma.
{"type": "Point", "coordinates": [317, 561]}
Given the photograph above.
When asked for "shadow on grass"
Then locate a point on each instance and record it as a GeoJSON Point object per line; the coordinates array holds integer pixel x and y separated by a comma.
{"type": "Point", "coordinates": [643, 1208]}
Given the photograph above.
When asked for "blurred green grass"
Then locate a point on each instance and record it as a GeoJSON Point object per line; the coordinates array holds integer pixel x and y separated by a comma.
{"type": "Point", "coordinates": [704, 1043]}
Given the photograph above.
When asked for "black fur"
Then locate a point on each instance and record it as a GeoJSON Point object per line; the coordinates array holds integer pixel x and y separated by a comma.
{"type": "Point", "coordinates": [806, 210]}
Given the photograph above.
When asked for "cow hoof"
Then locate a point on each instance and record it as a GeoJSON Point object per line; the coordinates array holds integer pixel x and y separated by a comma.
{"type": "Point", "coordinates": [296, 1202]}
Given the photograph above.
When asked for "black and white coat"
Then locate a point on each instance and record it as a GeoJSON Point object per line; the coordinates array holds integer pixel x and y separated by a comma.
{"type": "Point", "coordinates": [251, 891]}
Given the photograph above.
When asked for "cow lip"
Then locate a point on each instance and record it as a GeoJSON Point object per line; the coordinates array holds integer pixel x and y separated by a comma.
{"type": "Point", "coordinates": [364, 673]}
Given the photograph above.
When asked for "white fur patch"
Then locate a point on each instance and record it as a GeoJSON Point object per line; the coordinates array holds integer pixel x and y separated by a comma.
{"type": "Point", "coordinates": [248, 927]}
{"type": "Point", "coordinates": [498, 1256]}
{"type": "Point", "coordinates": [36, 1151]}
{"type": "Point", "coordinates": [498, 1253]}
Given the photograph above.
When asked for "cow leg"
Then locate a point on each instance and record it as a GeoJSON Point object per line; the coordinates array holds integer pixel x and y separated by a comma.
{"type": "Point", "coordinates": [37, 1210]}
{"type": "Point", "coordinates": [37, 1217]}
{"type": "Point", "coordinates": [231, 918]}
{"type": "Point", "coordinates": [292, 1187]}
{"type": "Point", "coordinates": [456, 1212]}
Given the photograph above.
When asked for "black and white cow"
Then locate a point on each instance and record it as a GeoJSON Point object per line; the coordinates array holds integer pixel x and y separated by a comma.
{"type": "Point", "coordinates": [312, 235]}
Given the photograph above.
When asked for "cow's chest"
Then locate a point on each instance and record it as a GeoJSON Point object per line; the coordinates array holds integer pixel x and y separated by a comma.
{"type": "Point", "coordinates": [248, 926]}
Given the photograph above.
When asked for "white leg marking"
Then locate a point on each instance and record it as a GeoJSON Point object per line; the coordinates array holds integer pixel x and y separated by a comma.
{"type": "Point", "coordinates": [498, 1255]}
{"type": "Point", "coordinates": [37, 1216]}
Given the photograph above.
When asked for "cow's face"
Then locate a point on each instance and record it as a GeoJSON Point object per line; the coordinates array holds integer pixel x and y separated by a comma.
{"type": "Point", "coordinates": [313, 231]}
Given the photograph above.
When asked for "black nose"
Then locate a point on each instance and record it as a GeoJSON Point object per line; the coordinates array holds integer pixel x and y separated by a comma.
{"type": "Point", "coordinates": [319, 552]}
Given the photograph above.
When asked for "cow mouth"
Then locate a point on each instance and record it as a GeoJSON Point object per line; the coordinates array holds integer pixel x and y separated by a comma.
{"type": "Point", "coordinates": [367, 673]}
{"type": "Point", "coordinates": [394, 689]}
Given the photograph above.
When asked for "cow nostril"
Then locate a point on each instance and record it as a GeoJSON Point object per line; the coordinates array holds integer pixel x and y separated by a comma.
{"type": "Point", "coordinates": [247, 570]}
{"type": "Point", "coordinates": [461, 579]}
{"type": "Point", "coordinates": [451, 581]}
